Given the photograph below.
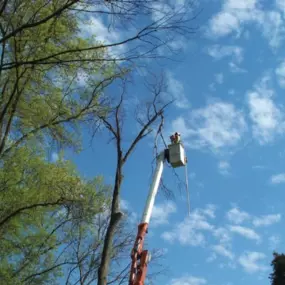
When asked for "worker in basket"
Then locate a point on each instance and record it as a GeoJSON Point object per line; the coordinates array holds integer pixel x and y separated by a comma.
{"type": "Point", "coordinates": [175, 138]}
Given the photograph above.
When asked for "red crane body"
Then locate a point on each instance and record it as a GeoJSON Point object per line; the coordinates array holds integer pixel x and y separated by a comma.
{"type": "Point", "coordinates": [139, 257]}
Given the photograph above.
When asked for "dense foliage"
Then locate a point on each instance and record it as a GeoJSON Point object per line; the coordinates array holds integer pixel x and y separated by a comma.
{"type": "Point", "coordinates": [54, 225]}
{"type": "Point", "coordinates": [278, 264]}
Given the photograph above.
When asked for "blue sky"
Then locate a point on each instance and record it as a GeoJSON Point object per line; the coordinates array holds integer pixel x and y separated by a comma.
{"type": "Point", "coordinates": [230, 113]}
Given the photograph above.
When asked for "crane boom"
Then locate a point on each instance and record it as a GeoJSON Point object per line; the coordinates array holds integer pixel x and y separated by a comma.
{"type": "Point", "coordinates": [153, 188]}
{"type": "Point", "coordinates": [175, 155]}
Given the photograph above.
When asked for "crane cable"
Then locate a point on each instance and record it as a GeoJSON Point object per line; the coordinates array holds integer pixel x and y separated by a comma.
{"type": "Point", "coordinates": [187, 189]}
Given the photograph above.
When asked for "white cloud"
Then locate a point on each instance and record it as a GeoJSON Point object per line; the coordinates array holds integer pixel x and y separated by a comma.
{"type": "Point", "coordinates": [62, 212]}
{"type": "Point", "coordinates": [278, 178]}
{"type": "Point", "coordinates": [216, 126]}
{"type": "Point", "coordinates": [179, 125]}
{"type": "Point", "coordinates": [236, 69]}
{"type": "Point", "coordinates": [126, 207]}
{"type": "Point", "coordinates": [219, 52]}
{"type": "Point", "coordinates": [219, 78]}
{"type": "Point", "coordinates": [178, 45]}
{"type": "Point", "coordinates": [273, 28]}
{"type": "Point", "coordinates": [82, 78]}
{"type": "Point", "coordinates": [124, 204]}
{"type": "Point", "coordinates": [274, 241]}
{"type": "Point", "coordinates": [223, 24]}
{"type": "Point", "coordinates": [240, 4]}
{"type": "Point", "coordinates": [223, 235]}
{"type": "Point", "coordinates": [235, 14]}
{"type": "Point", "coordinates": [280, 73]}
{"type": "Point", "coordinates": [266, 220]}
{"type": "Point", "coordinates": [212, 86]}
{"type": "Point", "coordinates": [232, 92]}
{"type": "Point", "coordinates": [96, 27]}
{"type": "Point", "coordinates": [159, 10]}
{"type": "Point", "coordinates": [188, 280]}
{"type": "Point", "coordinates": [211, 258]}
{"type": "Point", "coordinates": [209, 211]}
{"type": "Point", "coordinates": [192, 175]}
{"type": "Point", "coordinates": [258, 167]}
{"type": "Point", "coordinates": [176, 89]}
{"type": "Point", "coordinates": [54, 156]}
{"type": "Point", "coordinates": [200, 231]}
{"type": "Point", "coordinates": [161, 212]}
{"type": "Point", "coordinates": [267, 118]}
{"type": "Point", "coordinates": [221, 250]}
{"type": "Point", "coordinates": [250, 262]}
{"type": "Point", "coordinates": [235, 215]}
{"type": "Point", "coordinates": [191, 230]}
{"type": "Point", "coordinates": [224, 167]}
{"type": "Point", "coordinates": [280, 4]}
{"type": "Point", "coordinates": [245, 232]}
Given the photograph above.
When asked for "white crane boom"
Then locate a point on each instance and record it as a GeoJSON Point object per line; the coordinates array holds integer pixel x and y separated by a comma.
{"type": "Point", "coordinates": [153, 188]}
{"type": "Point", "coordinates": [175, 155]}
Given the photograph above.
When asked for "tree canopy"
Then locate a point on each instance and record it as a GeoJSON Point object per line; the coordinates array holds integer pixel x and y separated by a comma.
{"type": "Point", "coordinates": [277, 277]}
{"type": "Point", "coordinates": [41, 203]}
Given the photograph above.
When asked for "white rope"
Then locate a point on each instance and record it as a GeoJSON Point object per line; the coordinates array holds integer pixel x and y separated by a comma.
{"type": "Point", "coordinates": [187, 189]}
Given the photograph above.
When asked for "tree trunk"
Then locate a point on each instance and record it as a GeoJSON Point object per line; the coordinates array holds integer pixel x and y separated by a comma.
{"type": "Point", "coordinates": [116, 216]}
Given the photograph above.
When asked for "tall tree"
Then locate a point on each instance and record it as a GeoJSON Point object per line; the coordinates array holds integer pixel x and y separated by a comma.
{"type": "Point", "coordinates": [45, 56]}
{"type": "Point", "coordinates": [277, 277]}
{"type": "Point", "coordinates": [148, 116]}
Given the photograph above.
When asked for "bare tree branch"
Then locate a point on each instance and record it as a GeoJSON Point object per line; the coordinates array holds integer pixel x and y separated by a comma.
{"type": "Point", "coordinates": [122, 157]}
